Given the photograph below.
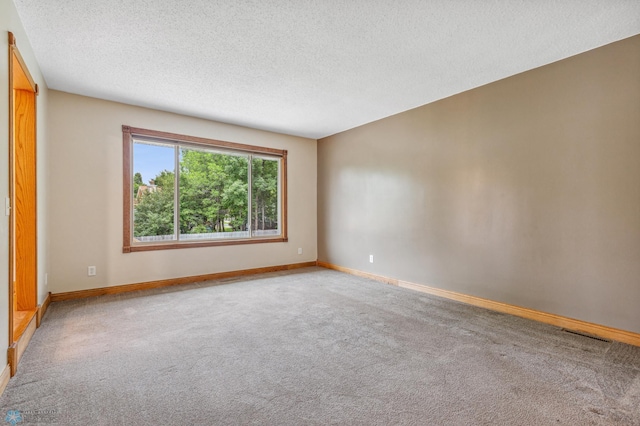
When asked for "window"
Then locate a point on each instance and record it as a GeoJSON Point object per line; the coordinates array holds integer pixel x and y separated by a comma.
{"type": "Point", "coordinates": [182, 191]}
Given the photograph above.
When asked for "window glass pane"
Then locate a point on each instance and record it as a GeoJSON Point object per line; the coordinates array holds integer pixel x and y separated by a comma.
{"type": "Point", "coordinates": [153, 189]}
{"type": "Point", "coordinates": [213, 195]}
{"type": "Point", "coordinates": [203, 191]}
{"type": "Point", "coordinates": [264, 202]}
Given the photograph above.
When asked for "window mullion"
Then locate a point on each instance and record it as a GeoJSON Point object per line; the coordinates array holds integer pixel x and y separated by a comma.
{"type": "Point", "coordinates": [249, 187]}
{"type": "Point", "coordinates": [176, 193]}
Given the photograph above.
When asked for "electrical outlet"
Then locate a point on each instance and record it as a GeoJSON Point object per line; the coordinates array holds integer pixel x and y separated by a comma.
{"type": "Point", "coordinates": [91, 271]}
{"type": "Point", "coordinates": [299, 250]}
{"type": "Point", "coordinates": [370, 258]}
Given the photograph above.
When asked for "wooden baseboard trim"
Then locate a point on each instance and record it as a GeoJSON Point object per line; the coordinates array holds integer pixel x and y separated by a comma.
{"type": "Point", "coordinates": [16, 350]}
{"type": "Point", "coordinates": [81, 294]}
{"type": "Point", "coordinates": [42, 309]}
{"type": "Point", "coordinates": [547, 318]}
{"type": "Point", "coordinates": [4, 378]}
{"type": "Point", "coordinates": [358, 273]}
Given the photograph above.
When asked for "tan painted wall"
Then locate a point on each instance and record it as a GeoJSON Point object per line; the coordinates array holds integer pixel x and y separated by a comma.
{"type": "Point", "coordinates": [10, 21]}
{"type": "Point", "coordinates": [524, 191]}
{"type": "Point", "coordinates": [86, 194]}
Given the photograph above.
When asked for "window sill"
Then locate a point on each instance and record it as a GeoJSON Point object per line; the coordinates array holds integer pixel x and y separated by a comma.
{"type": "Point", "coordinates": [183, 245]}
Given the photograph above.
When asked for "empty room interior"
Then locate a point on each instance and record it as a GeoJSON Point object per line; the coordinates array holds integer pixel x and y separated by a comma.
{"type": "Point", "coordinates": [365, 212]}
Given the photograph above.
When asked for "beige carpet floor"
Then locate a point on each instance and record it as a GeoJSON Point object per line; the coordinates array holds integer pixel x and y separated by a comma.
{"type": "Point", "coordinates": [313, 347]}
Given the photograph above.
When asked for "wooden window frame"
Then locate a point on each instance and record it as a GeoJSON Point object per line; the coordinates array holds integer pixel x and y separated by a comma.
{"type": "Point", "coordinates": [130, 133]}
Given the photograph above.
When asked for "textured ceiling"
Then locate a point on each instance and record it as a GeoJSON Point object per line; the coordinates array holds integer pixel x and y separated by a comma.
{"type": "Point", "coordinates": [306, 67]}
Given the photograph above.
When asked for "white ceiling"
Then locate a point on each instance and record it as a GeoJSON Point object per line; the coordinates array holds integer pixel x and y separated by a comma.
{"type": "Point", "coordinates": [306, 67]}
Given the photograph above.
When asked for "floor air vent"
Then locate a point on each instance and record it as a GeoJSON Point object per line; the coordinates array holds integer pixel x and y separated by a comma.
{"type": "Point", "coordinates": [590, 336]}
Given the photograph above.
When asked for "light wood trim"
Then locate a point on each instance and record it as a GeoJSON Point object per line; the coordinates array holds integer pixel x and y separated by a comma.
{"type": "Point", "coordinates": [12, 298]}
{"type": "Point", "coordinates": [21, 320]}
{"type": "Point", "coordinates": [155, 134]}
{"type": "Point", "coordinates": [80, 294]}
{"type": "Point", "coordinates": [24, 208]}
{"type": "Point", "coordinates": [283, 190]}
{"type": "Point", "coordinates": [4, 378]}
{"type": "Point", "coordinates": [24, 340]}
{"type": "Point", "coordinates": [168, 246]}
{"type": "Point", "coordinates": [544, 317]}
{"type": "Point", "coordinates": [21, 79]}
{"type": "Point", "coordinates": [28, 83]}
{"type": "Point", "coordinates": [16, 350]}
{"type": "Point", "coordinates": [127, 190]}
{"type": "Point", "coordinates": [127, 227]}
{"type": "Point", "coordinates": [42, 309]}
{"type": "Point", "coordinates": [358, 273]}
{"type": "Point", "coordinates": [20, 82]}
{"type": "Point", "coordinates": [12, 352]}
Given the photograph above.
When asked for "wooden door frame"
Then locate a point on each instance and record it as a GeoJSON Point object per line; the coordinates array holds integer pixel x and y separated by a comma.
{"type": "Point", "coordinates": [30, 85]}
